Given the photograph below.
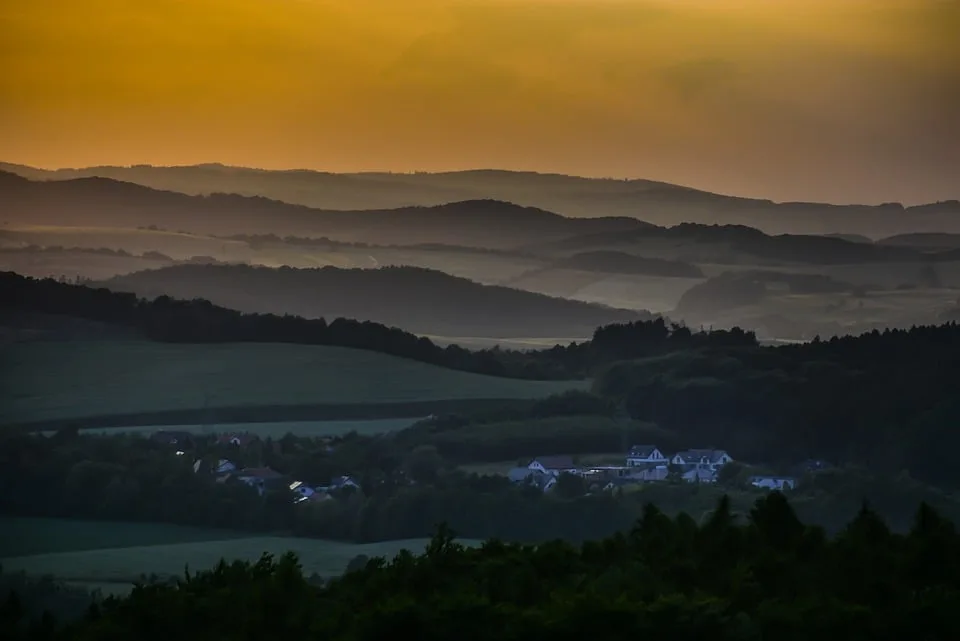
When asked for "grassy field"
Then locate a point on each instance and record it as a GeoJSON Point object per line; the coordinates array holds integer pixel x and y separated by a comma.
{"type": "Point", "coordinates": [56, 380]}
{"type": "Point", "coordinates": [272, 430]}
{"type": "Point", "coordinates": [21, 536]}
{"type": "Point", "coordinates": [123, 552]}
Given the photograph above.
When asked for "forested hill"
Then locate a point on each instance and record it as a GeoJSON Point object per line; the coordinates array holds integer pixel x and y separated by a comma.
{"type": "Point", "coordinates": [420, 300]}
{"type": "Point", "coordinates": [199, 321]}
{"type": "Point", "coordinates": [726, 579]}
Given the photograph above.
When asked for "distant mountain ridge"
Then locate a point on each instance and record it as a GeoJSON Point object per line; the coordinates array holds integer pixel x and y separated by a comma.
{"type": "Point", "coordinates": [657, 202]}
{"type": "Point", "coordinates": [110, 203]}
{"type": "Point", "coordinates": [420, 300]}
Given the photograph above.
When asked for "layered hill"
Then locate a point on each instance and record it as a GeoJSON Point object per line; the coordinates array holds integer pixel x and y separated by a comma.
{"type": "Point", "coordinates": [656, 202]}
{"type": "Point", "coordinates": [105, 202]}
{"type": "Point", "coordinates": [419, 300]}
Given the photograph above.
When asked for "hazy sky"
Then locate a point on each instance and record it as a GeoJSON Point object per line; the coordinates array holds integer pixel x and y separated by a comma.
{"type": "Point", "coordinates": [847, 100]}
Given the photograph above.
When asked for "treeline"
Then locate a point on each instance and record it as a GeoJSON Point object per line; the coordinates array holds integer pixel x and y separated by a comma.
{"type": "Point", "coordinates": [199, 321]}
{"type": "Point", "coordinates": [404, 489]}
{"type": "Point", "coordinates": [766, 576]}
{"type": "Point", "coordinates": [886, 400]}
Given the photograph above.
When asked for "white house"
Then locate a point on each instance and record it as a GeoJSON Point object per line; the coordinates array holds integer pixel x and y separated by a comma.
{"type": "Point", "coordinates": [553, 465]}
{"type": "Point", "coordinates": [711, 459]}
{"type": "Point", "coordinates": [224, 467]}
{"type": "Point", "coordinates": [645, 454]}
{"type": "Point", "coordinates": [774, 482]}
{"type": "Point", "coordinates": [541, 480]}
{"type": "Point", "coordinates": [700, 475]}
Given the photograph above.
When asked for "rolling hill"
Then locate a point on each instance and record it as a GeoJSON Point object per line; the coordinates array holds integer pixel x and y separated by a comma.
{"type": "Point", "coordinates": [697, 243]}
{"type": "Point", "coordinates": [419, 300]}
{"type": "Point", "coordinates": [104, 202]}
{"type": "Point", "coordinates": [55, 381]}
{"type": "Point", "coordinates": [656, 202]}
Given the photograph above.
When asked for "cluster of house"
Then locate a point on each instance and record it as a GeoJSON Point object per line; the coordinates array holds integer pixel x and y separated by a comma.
{"type": "Point", "coordinates": [264, 479]}
{"type": "Point", "coordinates": [644, 463]}
{"type": "Point", "coordinates": [261, 479]}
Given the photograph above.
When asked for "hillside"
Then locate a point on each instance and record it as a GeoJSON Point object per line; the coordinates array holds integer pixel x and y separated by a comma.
{"type": "Point", "coordinates": [613, 262]}
{"type": "Point", "coordinates": [735, 244]}
{"type": "Point", "coordinates": [419, 300]}
{"type": "Point", "coordinates": [656, 202]}
{"type": "Point", "coordinates": [104, 202]}
{"type": "Point", "coordinates": [77, 379]}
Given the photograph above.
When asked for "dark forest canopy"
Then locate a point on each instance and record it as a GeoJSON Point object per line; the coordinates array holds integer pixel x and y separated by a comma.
{"type": "Point", "coordinates": [765, 576]}
{"type": "Point", "coordinates": [424, 301]}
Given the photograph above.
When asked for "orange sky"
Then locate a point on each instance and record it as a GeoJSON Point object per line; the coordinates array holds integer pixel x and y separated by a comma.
{"type": "Point", "coordinates": [847, 100]}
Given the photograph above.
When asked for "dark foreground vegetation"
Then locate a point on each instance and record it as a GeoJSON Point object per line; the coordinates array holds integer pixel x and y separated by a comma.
{"type": "Point", "coordinates": [767, 576]}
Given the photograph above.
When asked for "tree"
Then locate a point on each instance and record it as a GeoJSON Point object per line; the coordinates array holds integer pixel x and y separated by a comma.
{"type": "Point", "coordinates": [570, 486]}
{"type": "Point", "coordinates": [731, 474]}
{"type": "Point", "coordinates": [424, 464]}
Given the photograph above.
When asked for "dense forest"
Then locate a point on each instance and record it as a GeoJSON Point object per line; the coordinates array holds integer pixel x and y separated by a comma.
{"type": "Point", "coordinates": [765, 576]}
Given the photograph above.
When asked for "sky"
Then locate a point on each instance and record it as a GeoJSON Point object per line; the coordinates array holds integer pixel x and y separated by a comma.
{"type": "Point", "coordinates": [840, 101]}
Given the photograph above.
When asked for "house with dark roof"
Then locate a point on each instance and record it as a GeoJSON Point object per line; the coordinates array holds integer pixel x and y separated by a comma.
{"type": "Point", "coordinates": [709, 458]}
{"type": "Point", "coordinates": [535, 478]}
{"type": "Point", "coordinates": [340, 483]}
{"type": "Point", "coordinates": [261, 478]}
{"type": "Point", "coordinates": [645, 454]}
{"type": "Point", "coordinates": [553, 465]}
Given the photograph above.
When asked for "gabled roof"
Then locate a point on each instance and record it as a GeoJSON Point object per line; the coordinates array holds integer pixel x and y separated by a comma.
{"type": "Point", "coordinates": [518, 474]}
{"type": "Point", "coordinates": [696, 455]}
{"type": "Point", "coordinates": [554, 462]}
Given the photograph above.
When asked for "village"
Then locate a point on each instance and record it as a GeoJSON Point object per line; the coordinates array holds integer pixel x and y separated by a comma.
{"type": "Point", "coordinates": [645, 464]}
{"type": "Point", "coordinates": [642, 464]}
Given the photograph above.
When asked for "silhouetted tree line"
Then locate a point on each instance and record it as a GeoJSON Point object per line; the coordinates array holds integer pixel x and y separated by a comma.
{"type": "Point", "coordinates": [758, 575]}
{"type": "Point", "coordinates": [199, 321]}
{"type": "Point", "coordinates": [887, 400]}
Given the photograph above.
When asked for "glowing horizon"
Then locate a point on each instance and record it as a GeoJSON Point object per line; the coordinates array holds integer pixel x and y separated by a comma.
{"type": "Point", "coordinates": [856, 101]}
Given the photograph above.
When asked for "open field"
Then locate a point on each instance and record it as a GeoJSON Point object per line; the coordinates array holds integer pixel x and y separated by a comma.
{"type": "Point", "coordinates": [125, 551]}
{"type": "Point", "coordinates": [59, 380]}
{"type": "Point", "coordinates": [273, 430]}
{"type": "Point", "coordinates": [22, 536]}
{"type": "Point", "coordinates": [125, 565]}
